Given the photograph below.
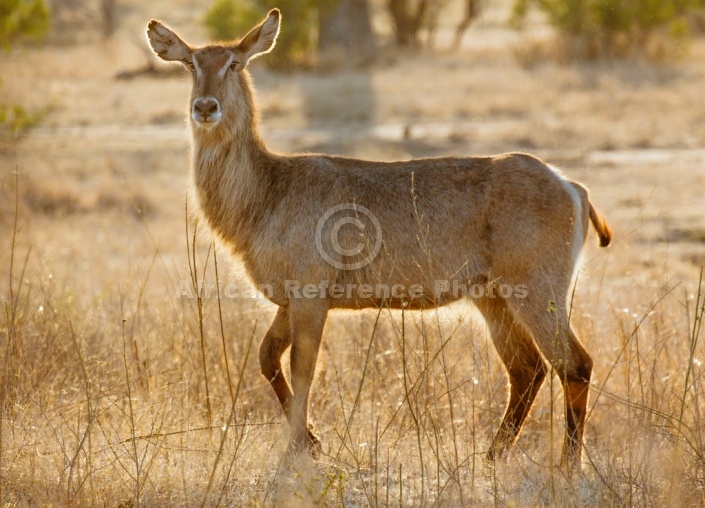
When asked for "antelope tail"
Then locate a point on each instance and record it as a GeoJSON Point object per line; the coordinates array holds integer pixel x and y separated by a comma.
{"type": "Point", "coordinates": [600, 225]}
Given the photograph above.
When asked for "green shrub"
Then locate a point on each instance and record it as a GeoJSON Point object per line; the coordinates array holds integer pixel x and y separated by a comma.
{"type": "Point", "coordinates": [614, 27]}
{"type": "Point", "coordinates": [227, 19]}
{"type": "Point", "coordinates": [22, 18]}
{"type": "Point", "coordinates": [16, 121]}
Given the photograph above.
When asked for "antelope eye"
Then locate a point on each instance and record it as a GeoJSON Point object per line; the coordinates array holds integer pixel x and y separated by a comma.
{"type": "Point", "coordinates": [233, 65]}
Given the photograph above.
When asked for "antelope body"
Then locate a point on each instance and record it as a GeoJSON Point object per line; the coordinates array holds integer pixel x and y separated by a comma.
{"type": "Point", "coordinates": [509, 219]}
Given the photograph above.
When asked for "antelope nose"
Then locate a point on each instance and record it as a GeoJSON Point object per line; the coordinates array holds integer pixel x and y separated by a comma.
{"type": "Point", "coordinates": [204, 108]}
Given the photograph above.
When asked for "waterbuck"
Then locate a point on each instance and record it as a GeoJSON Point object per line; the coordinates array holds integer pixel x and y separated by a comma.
{"type": "Point", "coordinates": [322, 232]}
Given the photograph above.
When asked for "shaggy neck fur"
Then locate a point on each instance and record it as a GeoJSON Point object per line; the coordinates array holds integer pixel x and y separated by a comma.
{"type": "Point", "coordinates": [230, 163]}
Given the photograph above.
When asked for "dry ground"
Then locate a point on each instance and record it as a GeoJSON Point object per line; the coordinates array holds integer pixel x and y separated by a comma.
{"type": "Point", "coordinates": [104, 378]}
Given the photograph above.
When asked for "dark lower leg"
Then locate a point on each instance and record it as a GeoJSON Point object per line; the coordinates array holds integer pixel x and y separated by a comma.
{"type": "Point", "coordinates": [524, 365]}
{"type": "Point", "coordinates": [275, 342]}
{"type": "Point", "coordinates": [550, 329]}
{"type": "Point", "coordinates": [282, 391]}
{"type": "Point", "coordinates": [576, 394]}
{"type": "Point", "coordinates": [524, 387]}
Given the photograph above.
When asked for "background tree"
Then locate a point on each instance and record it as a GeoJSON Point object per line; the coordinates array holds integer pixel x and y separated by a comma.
{"type": "Point", "coordinates": [412, 17]}
{"type": "Point", "coordinates": [345, 28]}
{"type": "Point", "coordinates": [472, 11]}
{"type": "Point", "coordinates": [109, 17]}
{"type": "Point", "coordinates": [75, 21]}
{"type": "Point", "coordinates": [408, 17]}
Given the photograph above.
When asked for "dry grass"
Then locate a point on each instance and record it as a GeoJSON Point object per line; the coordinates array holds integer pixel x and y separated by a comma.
{"type": "Point", "coordinates": [106, 404]}
{"type": "Point", "coordinates": [104, 363]}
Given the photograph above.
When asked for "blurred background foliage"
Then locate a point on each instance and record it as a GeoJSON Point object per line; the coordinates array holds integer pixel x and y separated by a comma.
{"type": "Point", "coordinates": [229, 19]}
{"type": "Point", "coordinates": [616, 28]}
{"type": "Point", "coordinates": [315, 29]}
{"type": "Point", "coordinates": [22, 19]}
{"type": "Point", "coordinates": [333, 33]}
{"type": "Point", "coordinates": [587, 28]}
{"type": "Point", "coordinates": [343, 27]}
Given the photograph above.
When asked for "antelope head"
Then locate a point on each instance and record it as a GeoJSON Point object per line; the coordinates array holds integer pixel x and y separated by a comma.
{"type": "Point", "coordinates": [217, 90]}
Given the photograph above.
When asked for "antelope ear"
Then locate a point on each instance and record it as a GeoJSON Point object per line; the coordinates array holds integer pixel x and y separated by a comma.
{"type": "Point", "coordinates": [262, 38]}
{"type": "Point", "coordinates": [166, 44]}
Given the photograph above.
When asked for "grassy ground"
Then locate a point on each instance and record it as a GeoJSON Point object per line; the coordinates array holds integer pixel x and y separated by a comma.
{"type": "Point", "coordinates": [116, 393]}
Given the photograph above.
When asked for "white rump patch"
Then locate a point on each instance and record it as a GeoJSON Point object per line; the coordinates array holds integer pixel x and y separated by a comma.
{"type": "Point", "coordinates": [576, 245]}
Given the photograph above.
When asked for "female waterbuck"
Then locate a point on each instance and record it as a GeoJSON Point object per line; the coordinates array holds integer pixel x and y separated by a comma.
{"type": "Point", "coordinates": [320, 232]}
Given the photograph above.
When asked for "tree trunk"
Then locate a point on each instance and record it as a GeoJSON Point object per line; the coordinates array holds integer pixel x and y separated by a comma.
{"type": "Point", "coordinates": [407, 23]}
{"type": "Point", "coordinates": [107, 11]}
{"type": "Point", "coordinates": [346, 29]}
{"type": "Point", "coordinates": [472, 10]}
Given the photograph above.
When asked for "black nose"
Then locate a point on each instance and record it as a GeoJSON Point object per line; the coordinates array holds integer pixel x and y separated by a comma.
{"type": "Point", "coordinates": [205, 107]}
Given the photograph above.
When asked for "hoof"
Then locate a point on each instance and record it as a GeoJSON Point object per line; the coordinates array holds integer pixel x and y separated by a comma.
{"type": "Point", "coordinates": [496, 453]}
{"type": "Point", "coordinates": [314, 444]}
{"type": "Point", "coordinates": [309, 443]}
{"type": "Point", "coordinates": [570, 464]}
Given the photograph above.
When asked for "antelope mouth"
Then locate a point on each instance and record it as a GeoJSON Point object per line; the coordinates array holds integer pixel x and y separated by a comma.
{"type": "Point", "coordinates": [206, 122]}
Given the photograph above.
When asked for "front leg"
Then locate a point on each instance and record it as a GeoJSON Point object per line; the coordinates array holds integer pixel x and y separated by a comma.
{"type": "Point", "coordinates": [275, 342]}
{"type": "Point", "coordinates": [307, 318]}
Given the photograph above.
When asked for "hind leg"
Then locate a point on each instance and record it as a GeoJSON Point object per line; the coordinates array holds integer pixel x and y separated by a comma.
{"type": "Point", "coordinates": [544, 313]}
{"type": "Point", "coordinates": [524, 365]}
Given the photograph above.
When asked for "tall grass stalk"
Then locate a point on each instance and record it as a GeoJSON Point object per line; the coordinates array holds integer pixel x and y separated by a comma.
{"type": "Point", "coordinates": [10, 320]}
{"type": "Point", "coordinates": [87, 435]}
{"type": "Point", "coordinates": [229, 423]}
{"type": "Point", "coordinates": [360, 386]}
{"type": "Point", "coordinates": [198, 289]}
{"type": "Point", "coordinates": [456, 474]}
{"type": "Point", "coordinates": [694, 438]}
{"type": "Point", "coordinates": [694, 336]}
{"type": "Point", "coordinates": [220, 320]}
{"type": "Point", "coordinates": [11, 311]}
{"type": "Point", "coordinates": [131, 420]}
{"type": "Point", "coordinates": [412, 410]}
